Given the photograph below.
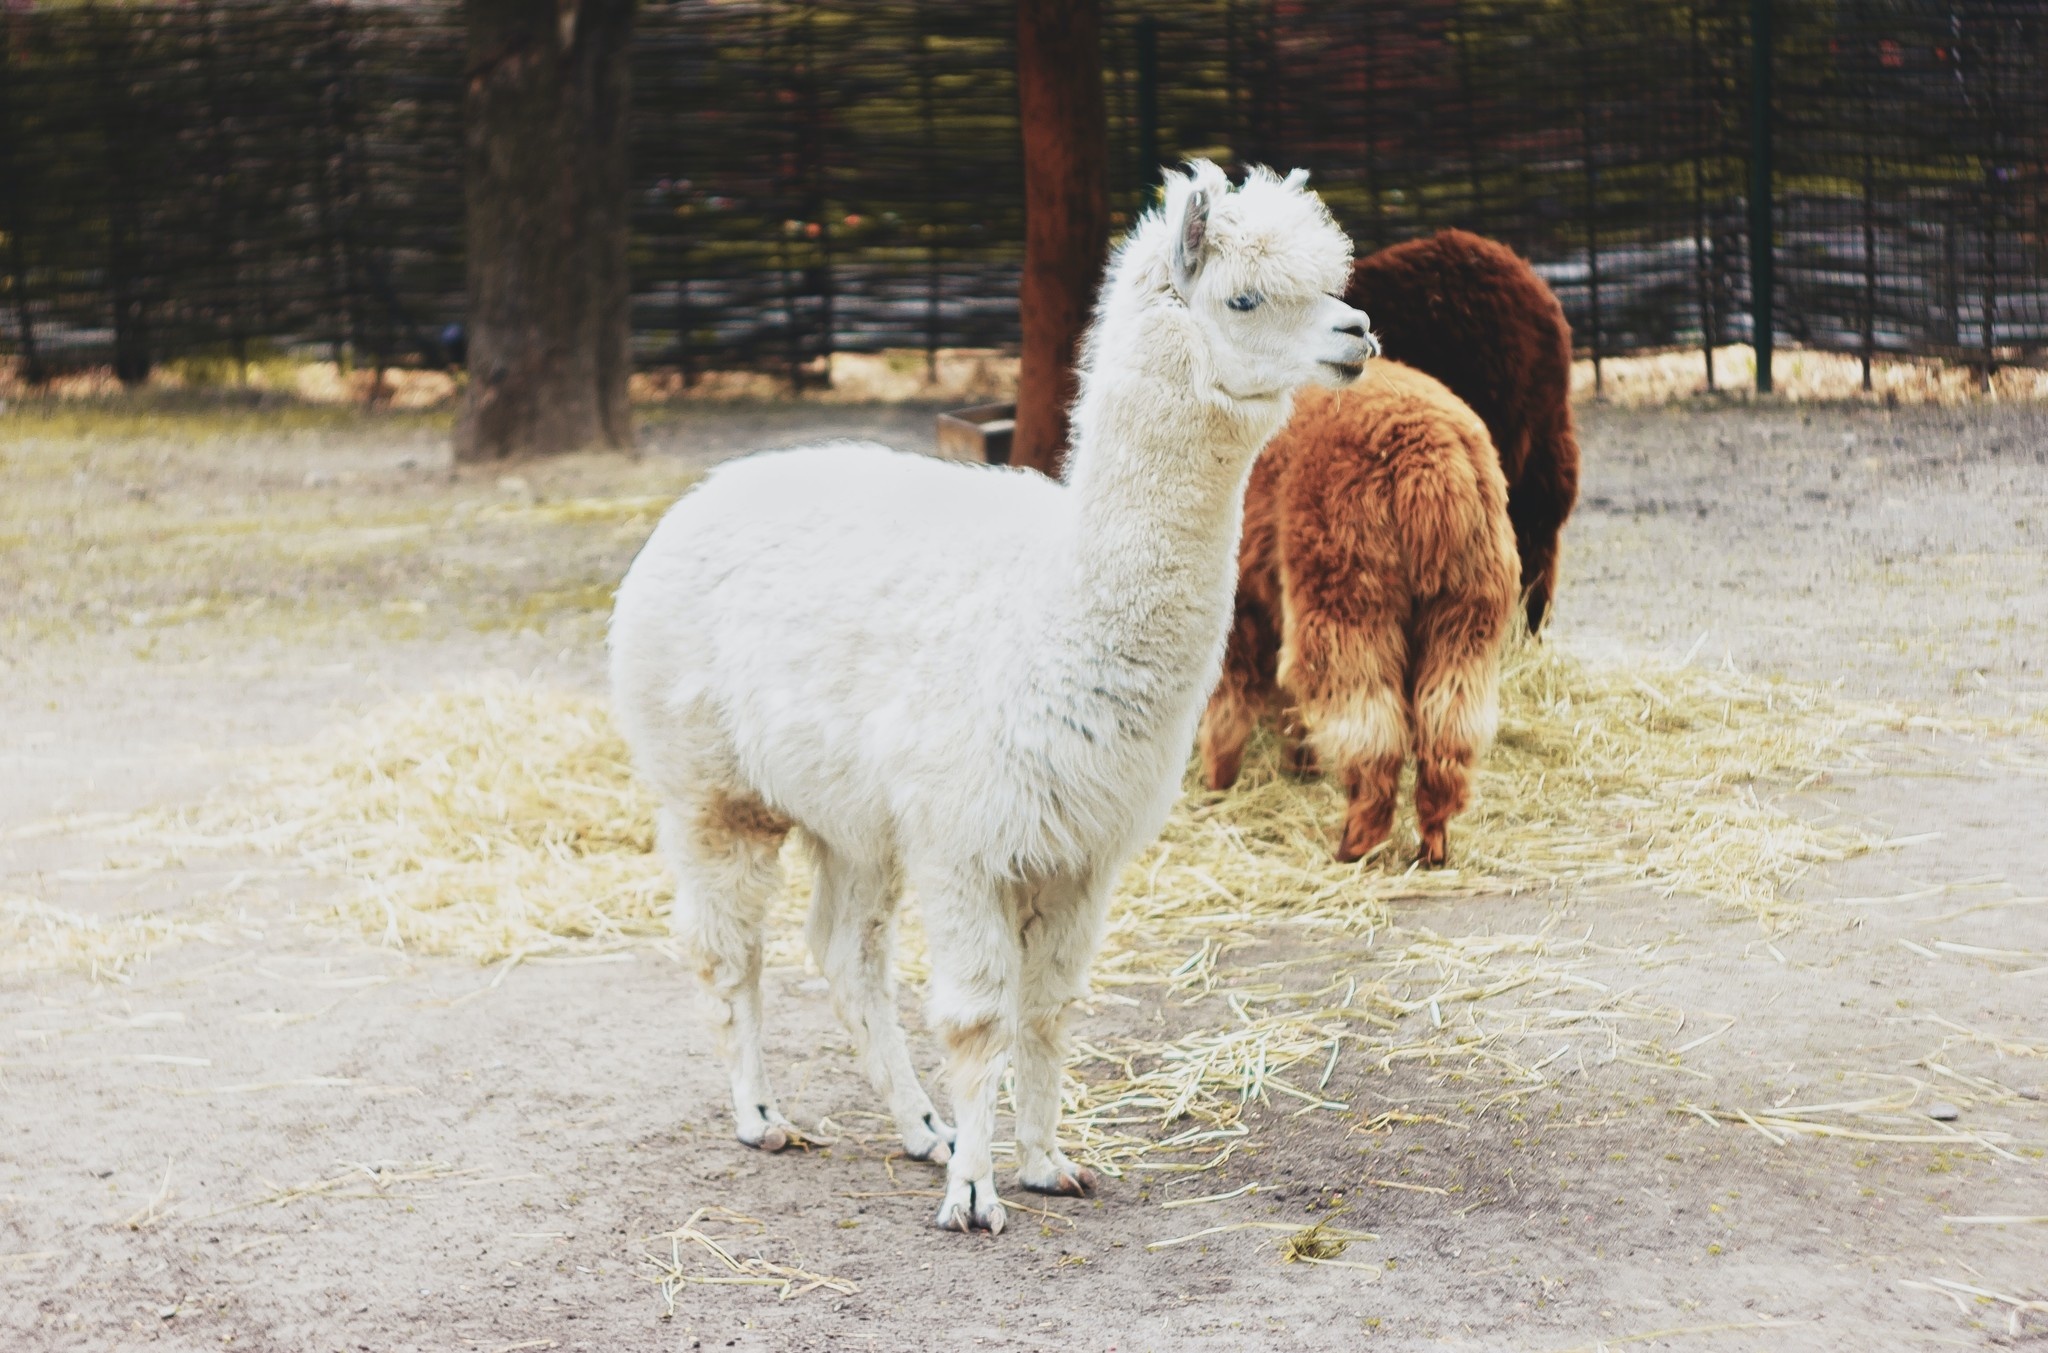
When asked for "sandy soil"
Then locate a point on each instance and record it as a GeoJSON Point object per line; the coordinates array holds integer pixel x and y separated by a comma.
{"type": "Point", "coordinates": [271, 1137]}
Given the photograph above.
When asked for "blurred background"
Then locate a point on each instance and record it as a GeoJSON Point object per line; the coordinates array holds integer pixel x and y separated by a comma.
{"type": "Point", "coordinates": [210, 186]}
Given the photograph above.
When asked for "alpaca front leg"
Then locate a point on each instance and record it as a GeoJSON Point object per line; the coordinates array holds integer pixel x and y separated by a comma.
{"type": "Point", "coordinates": [975, 959]}
{"type": "Point", "coordinates": [1298, 754]}
{"type": "Point", "coordinates": [1041, 1058]}
{"type": "Point", "coordinates": [1245, 687]}
{"type": "Point", "coordinates": [1057, 952]}
{"type": "Point", "coordinates": [976, 1052]}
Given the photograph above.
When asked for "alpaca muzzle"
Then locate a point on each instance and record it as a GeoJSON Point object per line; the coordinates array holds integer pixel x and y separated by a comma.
{"type": "Point", "coordinates": [1359, 345]}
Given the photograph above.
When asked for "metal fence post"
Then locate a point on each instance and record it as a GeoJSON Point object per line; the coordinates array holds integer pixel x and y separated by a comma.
{"type": "Point", "coordinates": [928, 125]}
{"type": "Point", "coordinates": [1869, 335]}
{"type": "Point", "coordinates": [1148, 109]}
{"type": "Point", "coordinates": [1987, 214]}
{"type": "Point", "coordinates": [1476, 218]}
{"type": "Point", "coordinates": [14, 199]}
{"type": "Point", "coordinates": [1590, 161]}
{"type": "Point", "coordinates": [1703, 276]}
{"type": "Point", "coordinates": [1761, 252]}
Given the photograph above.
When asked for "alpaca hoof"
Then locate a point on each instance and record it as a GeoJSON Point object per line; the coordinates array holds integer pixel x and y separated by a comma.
{"type": "Point", "coordinates": [767, 1130]}
{"type": "Point", "coordinates": [971, 1205]}
{"type": "Point", "coordinates": [1220, 772]}
{"type": "Point", "coordinates": [1352, 848]}
{"type": "Point", "coordinates": [1302, 763]}
{"type": "Point", "coordinates": [931, 1140]}
{"type": "Point", "coordinates": [1436, 850]}
{"type": "Point", "coordinates": [1072, 1182]}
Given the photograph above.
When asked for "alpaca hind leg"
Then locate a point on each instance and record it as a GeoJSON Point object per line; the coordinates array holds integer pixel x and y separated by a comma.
{"type": "Point", "coordinates": [1457, 708]}
{"type": "Point", "coordinates": [1363, 737]}
{"type": "Point", "coordinates": [1344, 656]}
{"type": "Point", "coordinates": [1058, 948]}
{"type": "Point", "coordinates": [973, 1008]}
{"type": "Point", "coordinates": [1442, 791]}
{"type": "Point", "coordinates": [724, 851]}
{"type": "Point", "coordinates": [1370, 786]}
{"type": "Point", "coordinates": [853, 934]}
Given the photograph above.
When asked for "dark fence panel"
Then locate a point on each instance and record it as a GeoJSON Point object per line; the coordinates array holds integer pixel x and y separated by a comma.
{"type": "Point", "coordinates": [222, 178]}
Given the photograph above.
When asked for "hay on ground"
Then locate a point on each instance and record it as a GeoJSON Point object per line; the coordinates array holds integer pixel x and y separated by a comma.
{"type": "Point", "coordinates": [671, 1273]}
{"type": "Point", "coordinates": [36, 936]}
{"type": "Point", "coordinates": [499, 821]}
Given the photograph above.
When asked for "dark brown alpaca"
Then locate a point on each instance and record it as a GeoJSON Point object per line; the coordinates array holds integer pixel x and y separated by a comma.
{"type": "Point", "coordinates": [1472, 314]}
{"type": "Point", "coordinates": [1376, 581]}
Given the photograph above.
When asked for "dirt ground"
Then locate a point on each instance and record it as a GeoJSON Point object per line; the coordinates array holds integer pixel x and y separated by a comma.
{"type": "Point", "coordinates": [274, 1136]}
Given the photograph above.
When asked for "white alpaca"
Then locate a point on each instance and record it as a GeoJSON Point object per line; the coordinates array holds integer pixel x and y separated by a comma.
{"type": "Point", "coordinates": [978, 682]}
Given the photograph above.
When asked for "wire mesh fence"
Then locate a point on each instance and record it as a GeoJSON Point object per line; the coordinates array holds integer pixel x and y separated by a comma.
{"type": "Point", "coordinates": [221, 179]}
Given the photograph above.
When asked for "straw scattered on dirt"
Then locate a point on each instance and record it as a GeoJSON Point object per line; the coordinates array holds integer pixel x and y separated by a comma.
{"type": "Point", "coordinates": [501, 817]}
{"type": "Point", "coordinates": [692, 1249]}
{"type": "Point", "coordinates": [36, 936]}
{"type": "Point", "coordinates": [499, 821]}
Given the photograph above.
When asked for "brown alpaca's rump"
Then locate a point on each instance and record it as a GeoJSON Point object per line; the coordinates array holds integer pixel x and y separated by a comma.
{"type": "Point", "coordinates": [1473, 314]}
{"type": "Point", "coordinates": [1376, 583]}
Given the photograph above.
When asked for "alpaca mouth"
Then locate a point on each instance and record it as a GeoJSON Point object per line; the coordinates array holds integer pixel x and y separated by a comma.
{"type": "Point", "coordinates": [1351, 371]}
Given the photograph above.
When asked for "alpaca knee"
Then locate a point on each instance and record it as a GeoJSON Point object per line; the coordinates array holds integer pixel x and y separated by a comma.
{"type": "Point", "coordinates": [977, 1050]}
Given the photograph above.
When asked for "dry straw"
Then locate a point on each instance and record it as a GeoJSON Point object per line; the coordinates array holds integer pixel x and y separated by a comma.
{"type": "Point", "coordinates": [499, 820]}
{"type": "Point", "coordinates": [36, 936]}
{"type": "Point", "coordinates": [673, 1272]}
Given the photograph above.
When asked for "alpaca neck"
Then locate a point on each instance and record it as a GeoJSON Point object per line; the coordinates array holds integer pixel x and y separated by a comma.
{"type": "Point", "coordinates": [1158, 475]}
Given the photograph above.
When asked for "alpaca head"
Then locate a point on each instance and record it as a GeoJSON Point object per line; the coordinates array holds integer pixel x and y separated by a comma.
{"type": "Point", "coordinates": [1260, 271]}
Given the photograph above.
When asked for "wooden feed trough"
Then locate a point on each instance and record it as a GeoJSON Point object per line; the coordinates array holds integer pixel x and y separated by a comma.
{"type": "Point", "coordinates": [981, 433]}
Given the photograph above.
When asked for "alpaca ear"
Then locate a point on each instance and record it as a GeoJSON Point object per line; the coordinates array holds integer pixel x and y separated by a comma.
{"type": "Point", "coordinates": [1296, 178]}
{"type": "Point", "coordinates": [1191, 240]}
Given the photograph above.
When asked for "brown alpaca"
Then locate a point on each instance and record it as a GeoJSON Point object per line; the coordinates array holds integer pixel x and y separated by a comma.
{"type": "Point", "coordinates": [1376, 580]}
{"type": "Point", "coordinates": [1472, 314]}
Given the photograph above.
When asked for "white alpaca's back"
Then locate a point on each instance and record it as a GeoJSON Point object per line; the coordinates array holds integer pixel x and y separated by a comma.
{"type": "Point", "coordinates": [864, 638]}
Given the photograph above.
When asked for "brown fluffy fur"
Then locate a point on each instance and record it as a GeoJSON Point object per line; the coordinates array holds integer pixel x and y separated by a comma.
{"type": "Point", "coordinates": [1376, 583]}
{"type": "Point", "coordinates": [1472, 314]}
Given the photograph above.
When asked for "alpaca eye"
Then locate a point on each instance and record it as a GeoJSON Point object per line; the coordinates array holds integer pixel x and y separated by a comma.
{"type": "Point", "coordinates": [1249, 301]}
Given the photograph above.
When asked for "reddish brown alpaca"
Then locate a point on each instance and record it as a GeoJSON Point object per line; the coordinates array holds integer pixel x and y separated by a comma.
{"type": "Point", "coordinates": [1472, 314]}
{"type": "Point", "coordinates": [1376, 580]}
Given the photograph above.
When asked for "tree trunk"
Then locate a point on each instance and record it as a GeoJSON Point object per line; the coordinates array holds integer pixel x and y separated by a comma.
{"type": "Point", "coordinates": [1066, 212]}
{"type": "Point", "coordinates": [544, 127]}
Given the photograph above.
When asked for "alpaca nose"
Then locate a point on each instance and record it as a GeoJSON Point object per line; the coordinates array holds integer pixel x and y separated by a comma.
{"type": "Point", "coordinates": [1358, 325]}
